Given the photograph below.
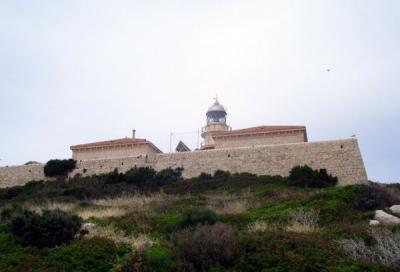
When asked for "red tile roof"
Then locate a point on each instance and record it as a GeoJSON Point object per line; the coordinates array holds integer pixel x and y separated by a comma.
{"type": "Point", "coordinates": [257, 130]}
{"type": "Point", "coordinates": [122, 141]}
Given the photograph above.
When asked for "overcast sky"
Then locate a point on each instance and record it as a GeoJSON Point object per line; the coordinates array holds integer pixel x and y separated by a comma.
{"type": "Point", "coordinates": [74, 72]}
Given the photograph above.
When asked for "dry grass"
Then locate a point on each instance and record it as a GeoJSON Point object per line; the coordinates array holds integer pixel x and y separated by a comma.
{"type": "Point", "coordinates": [138, 243]}
{"type": "Point", "coordinates": [303, 221]}
{"type": "Point", "coordinates": [84, 213]}
{"type": "Point", "coordinates": [259, 226]}
{"type": "Point", "coordinates": [131, 201]}
{"type": "Point", "coordinates": [101, 213]}
{"type": "Point", "coordinates": [66, 207]}
{"type": "Point", "coordinates": [232, 207]}
{"type": "Point", "coordinates": [227, 204]}
{"type": "Point", "coordinates": [386, 250]}
{"type": "Point", "coordinates": [112, 207]}
{"type": "Point", "coordinates": [137, 201]}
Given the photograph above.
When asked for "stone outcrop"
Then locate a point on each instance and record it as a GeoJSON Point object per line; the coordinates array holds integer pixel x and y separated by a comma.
{"type": "Point", "coordinates": [395, 209]}
{"type": "Point", "coordinates": [385, 218]}
{"type": "Point", "coordinates": [374, 222]}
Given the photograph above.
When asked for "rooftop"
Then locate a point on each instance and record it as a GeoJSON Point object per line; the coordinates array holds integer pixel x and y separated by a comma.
{"type": "Point", "coordinates": [216, 107]}
{"type": "Point", "coordinates": [122, 141]}
{"type": "Point", "coordinates": [256, 130]}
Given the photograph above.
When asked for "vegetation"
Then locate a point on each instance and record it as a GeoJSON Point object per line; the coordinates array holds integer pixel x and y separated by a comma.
{"type": "Point", "coordinates": [193, 217]}
{"type": "Point", "coordinates": [145, 220]}
{"type": "Point", "coordinates": [55, 168]}
{"type": "Point", "coordinates": [48, 229]}
{"type": "Point", "coordinates": [375, 196]}
{"type": "Point", "coordinates": [204, 247]}
{"type": "Point", "coordinates": [305, 176]}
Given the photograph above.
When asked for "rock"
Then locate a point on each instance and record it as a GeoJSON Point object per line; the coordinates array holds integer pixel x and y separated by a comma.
{"type": "Point", "coordinates": [395, 209]}
{"type": "Point", "coordinates": [386, 218]}
{"type": "Point", "coordinates": [374, 222]}
{"type": "Point", "coordinates": [88, 226]}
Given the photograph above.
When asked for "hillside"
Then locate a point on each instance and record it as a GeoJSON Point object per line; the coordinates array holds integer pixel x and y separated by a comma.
{"type": "Point", "coordinates": [148, 221]}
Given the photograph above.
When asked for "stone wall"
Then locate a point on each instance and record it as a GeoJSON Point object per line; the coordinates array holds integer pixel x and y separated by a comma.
{"type": "Point", "coordinates": [342, 158]}
{"type": "Point", "coordinates": [19, 175]}
{"type": "Point", "coordinates": [286, 137]}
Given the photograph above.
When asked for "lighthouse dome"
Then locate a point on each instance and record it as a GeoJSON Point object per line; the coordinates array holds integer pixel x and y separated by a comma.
{"type": "Point", "coordinates": [216, 113]}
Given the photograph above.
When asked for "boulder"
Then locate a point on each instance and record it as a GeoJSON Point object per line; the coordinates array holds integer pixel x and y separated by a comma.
{"type": "Point", "coordinates": [395, 209]}
{"type": "Point", "coordinates": [88, 226]}
{"type": "Point", "coordinates": [374, 222]}
{"type": "Point", "coordinates": [386, 218]}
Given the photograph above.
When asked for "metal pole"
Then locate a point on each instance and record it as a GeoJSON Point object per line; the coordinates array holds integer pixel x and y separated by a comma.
{"type": "Point", "coordinates": [198, 138]}
{"type": "Point", "coordinates": [170, 142]}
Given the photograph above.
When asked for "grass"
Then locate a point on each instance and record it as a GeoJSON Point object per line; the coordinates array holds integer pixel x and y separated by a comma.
{"type": "Point", "coordinates": [279, 226]}
{"type": "Point", "coordinates": [137, 243]}
{"type": "Point", "coordinates": [101, 213]}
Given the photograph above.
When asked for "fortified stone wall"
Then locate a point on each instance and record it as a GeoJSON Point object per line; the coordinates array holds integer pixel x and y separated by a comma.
{"type": "Point", "coordinates": [342, 158]}
{"type": "Point", "coordinates": [286, 137]}
{"type": "Point", "coordinates": [19, 175]}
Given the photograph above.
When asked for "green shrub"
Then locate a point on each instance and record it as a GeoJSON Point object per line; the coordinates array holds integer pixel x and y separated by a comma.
{"type": "Point", "coordinates": [139, 175]}
{"type": "Point", "coordinates": [76, 192]}
{"type": "Point", "coordinates": [59, 167]}
{"type": "Point", "coordinates": [305, 176]}
{"type": "Point", "coordinates": [285, 251]}
{"type": "Point", "coordinates": [373, 197]}
{"type": "Point", "coordinates": [113, 177]}
{"type": "Point", "coordinates": [49, 229]}
{"type": "Point", "coordinates": [192, 217]}
{"type": "Point", "coordinates": [96, 254]}
{"type": "Point", "coordinates": [7, 212]}
{"type": "Point", "coordinates": [13, 256]}
{"type": "Point", "coordinates": [204, 175]}
{"type": "Point", "coordinates": [205, 246]}
{"type": "Point", "coordinates": [168, 175]}
{"type": "Point", "coordinates": [222, 174]}
{"type": "Point", "coordinates": [155, 258]}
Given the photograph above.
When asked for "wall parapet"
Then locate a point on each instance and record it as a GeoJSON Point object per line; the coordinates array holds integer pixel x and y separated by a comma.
{"type": "Point", "coordinates": [342, 158]}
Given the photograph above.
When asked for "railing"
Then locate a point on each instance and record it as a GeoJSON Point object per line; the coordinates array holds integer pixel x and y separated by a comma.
{"type": "Point", "coordinates": [215, 126]}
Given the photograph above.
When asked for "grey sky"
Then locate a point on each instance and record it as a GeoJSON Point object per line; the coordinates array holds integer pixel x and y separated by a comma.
{"type": "Point", "coordinates": [79, 71]}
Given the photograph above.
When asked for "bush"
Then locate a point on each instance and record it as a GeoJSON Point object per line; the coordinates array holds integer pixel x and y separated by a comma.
{"type": "Point", "coordinates": [205, 247]}
{"type": "Point", "coordinates": [286, 251]}
{"type": "Point", "coordinates": [155, 258]}
{"type": "Point", "coordinates": [95, 254]}
{"type": "Point", "coordinates": [192, 217]}
{"type": "Point", "coordinates": [13, 256]}
{"type": "Point", "coordinates": [305, 176]}
{"type": "Point", "coordinates": [222, 174]}
{"type": "Point", "coordinates": [303, 221]}
{"type": "Point", "coordinates": [373, 197]}
{"type": "Point", "coordinates": [49, 229]}
{"type": "Point", "coordinates": [204, 175]}
{"type": "Point", "coordinates": [7, 212]}
{"type": "Point", "coordinates": [140, 175]}
{"type": "Point", "coordinates": [168, 175]}
{"type": "Point", "coordinates": [113, 177]}
{"type": "Point", "coordinates": [385, 249]}
{"type": "Point", "coordinates": [59, 167]}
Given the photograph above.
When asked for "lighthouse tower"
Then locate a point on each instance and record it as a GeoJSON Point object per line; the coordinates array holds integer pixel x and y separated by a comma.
{"type": "Point", "coordinates": [216, 122]}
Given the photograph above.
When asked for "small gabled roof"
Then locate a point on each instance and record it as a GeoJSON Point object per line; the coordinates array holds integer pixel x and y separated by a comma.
{"type": "Point", "coordinates": [181, 147]}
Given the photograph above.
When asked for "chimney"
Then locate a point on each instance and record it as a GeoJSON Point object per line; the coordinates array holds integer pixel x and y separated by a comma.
{"type": "Point", "coordinates": [133, 133]}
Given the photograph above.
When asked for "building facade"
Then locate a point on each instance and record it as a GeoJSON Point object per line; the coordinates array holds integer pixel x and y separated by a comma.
{"type": "Point", "coordinates": [114, 149]}
{"type": "Point", "coordinates": [217, 134]}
